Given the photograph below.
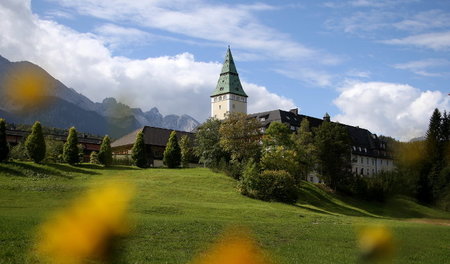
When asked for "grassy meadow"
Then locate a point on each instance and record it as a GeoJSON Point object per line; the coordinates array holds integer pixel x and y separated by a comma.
{"type": "Point", "coordinates": [177, 213]}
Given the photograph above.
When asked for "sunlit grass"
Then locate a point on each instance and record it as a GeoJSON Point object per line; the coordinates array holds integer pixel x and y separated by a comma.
{"type": "Point", "coordinates": [178, 214]}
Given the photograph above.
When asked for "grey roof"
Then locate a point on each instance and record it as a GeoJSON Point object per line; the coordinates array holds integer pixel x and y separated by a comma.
{"type": "Point", "coordinates": [152, 136]}
{"type": "Point", "coordinates": [363, 141]}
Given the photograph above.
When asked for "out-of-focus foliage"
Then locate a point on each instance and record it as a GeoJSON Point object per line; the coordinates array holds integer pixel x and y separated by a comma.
{"type": "Point", "coordinates": [236, 247]}
{"type": "Point", "coordinates": [376, 244]}
{"type": "Point", "coordinates": [85, 231]}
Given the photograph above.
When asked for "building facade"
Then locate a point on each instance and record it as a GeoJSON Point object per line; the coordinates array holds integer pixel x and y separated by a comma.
{"type": "Point", "coordinates": [155, 140]}
{"type": "Point", "coordinates": [369, 153]}
{"type": "Point", "coordinates": [229, 96]}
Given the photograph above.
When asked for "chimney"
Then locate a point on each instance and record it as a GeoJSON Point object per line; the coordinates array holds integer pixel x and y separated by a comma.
{"type": "Point", "coordinates": [295, 111]}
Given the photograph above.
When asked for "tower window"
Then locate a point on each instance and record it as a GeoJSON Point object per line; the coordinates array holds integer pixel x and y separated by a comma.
{"type": "Point", "coordinates": [234, 106]}
{"type": "Point", "coordinates": [220, 107]}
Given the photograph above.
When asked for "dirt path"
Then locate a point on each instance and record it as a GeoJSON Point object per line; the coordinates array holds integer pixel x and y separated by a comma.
{"type": "Point", "coordinates": [444, 222]}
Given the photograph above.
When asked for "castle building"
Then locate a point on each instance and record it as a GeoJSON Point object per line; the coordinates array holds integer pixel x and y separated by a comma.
{"type": "Point", "coordinates": [229, 96]}
{"type": "Point", "coordinates": [369, 153]}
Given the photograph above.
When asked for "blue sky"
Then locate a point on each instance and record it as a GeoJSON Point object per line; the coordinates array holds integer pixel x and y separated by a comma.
{"type": "Point", "coordinates": [383, 65]}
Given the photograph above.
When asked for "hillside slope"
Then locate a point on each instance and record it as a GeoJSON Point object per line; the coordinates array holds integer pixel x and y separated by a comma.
{"type": "Point", "coordinates": [178, 213]}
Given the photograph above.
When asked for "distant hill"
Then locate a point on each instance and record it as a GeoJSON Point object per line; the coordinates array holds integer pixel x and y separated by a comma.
{"type": "Point", "coordinates": [69, 108]}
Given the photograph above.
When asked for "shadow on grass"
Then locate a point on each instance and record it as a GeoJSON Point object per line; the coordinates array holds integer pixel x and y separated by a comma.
{"type": "Point", "coordinates": [100, 167]}
{"type": "Point", "coordinates": [10, 171]}
{"type": "Point", "coordinates": [32, 170]}
{"type": "Point", "coordinates": [318, 211]}
{"type": "Point", "coordinates": [71, 168]}
{"type": "Point", "coordinates": [312, 195]}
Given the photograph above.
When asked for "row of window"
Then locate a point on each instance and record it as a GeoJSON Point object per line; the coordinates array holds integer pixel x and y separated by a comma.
{"type": "Point", "coordinates": [230, 96]}
{"type": "Point", "coordinates": [360, 160]}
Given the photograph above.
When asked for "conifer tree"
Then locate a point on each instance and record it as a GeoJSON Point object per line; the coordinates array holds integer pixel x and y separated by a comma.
{"type": "Point", "coordinates": [186, 151]}
{"type": "Point", "coordinates": [4, 148]}
{"type": "Point", "coordinates": [105, 153]}
{"type": "Point", "coordinates": [70, 153]}
{"type": "Point", "coordinates": [138, 153]}
{"type": "Point", "coordinates": [172, 153]}
{"type": "Point", "coordinates": [305, 148]}
{"type": "Point", "coordinates": [35, 143]}
{"type": "Point", "coordinates": [93, 158]}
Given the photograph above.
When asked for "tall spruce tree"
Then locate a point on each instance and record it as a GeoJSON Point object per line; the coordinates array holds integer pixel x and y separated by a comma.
{"type": "Point", "coordinates": [4, 147]}
{"type": "Point", "coordinates": [172, 153]}
{"type": "Point", "coordinates": [138, 152]}
{"type": "Point", "coordinates": [35, 143]}
{"type": "Point", "coordinates": [70, 152]}
{"type": "Point", "coordinates": [186, 151]}
{"type": "Point", "coordinates": [105, 153]}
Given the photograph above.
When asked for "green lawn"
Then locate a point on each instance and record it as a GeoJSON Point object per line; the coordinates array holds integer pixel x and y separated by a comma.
{"type": "Point", "coordinates": [177, 213]}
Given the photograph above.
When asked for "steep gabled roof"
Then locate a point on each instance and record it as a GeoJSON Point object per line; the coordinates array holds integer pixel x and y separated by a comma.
{"type": "Point", "coordinates": [152, 136]}
{"type": "Point", "coordinates": [362, 140]}
{"type": "Point", "coordinates": [229, 81]}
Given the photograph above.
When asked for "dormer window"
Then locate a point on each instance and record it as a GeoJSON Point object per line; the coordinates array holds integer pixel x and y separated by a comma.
{"type": "Point", "coordinates": [221, 88]}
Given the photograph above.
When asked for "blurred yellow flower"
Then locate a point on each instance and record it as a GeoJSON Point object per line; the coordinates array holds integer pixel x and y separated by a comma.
{"type": "Point", "coordinates": [27, 87]}
{"type": "Point", "coordinates": [85, 230]}
{"type": "Point", "coordinates": [376, 243]}
{"type": "Point", "coordinates": [236, 247]}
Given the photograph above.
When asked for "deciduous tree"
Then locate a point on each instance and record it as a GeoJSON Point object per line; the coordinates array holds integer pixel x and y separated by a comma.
{"type": "Point", "coordinates": [240, 136]}
{"type": "Point", "coordinates": [207, 143]}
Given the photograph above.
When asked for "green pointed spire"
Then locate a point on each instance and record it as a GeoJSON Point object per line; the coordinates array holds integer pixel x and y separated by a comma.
{"type": "Point", "coordinates": [229, 78]}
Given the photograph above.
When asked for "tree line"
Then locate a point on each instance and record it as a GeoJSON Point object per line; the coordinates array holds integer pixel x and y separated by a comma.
{"type": "Point", "coordinates": [269, 165]}
{"type": "Point", "coordinates": [39, 149]}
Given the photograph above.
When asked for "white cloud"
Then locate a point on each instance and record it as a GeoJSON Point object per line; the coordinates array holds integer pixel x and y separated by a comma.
{"type": "Point", "coordinates": [116, 36]}
{"type": "Point", "coordinates": [358, 74]}
{"type": "Point", "coordinates": [175, 84]}
{"type": "Point", "coordinates": [430, 19]}
{"type": "Point", "coordinates": [436, 41]}
{"type": "Point", "coordinates": [391, 109]}
{"type": "Point", "coordinates": [421, 67]}
{"type": "Point", "coordinates": [309, 76]}
{"type": "Point", "coordinates": [236, 25]}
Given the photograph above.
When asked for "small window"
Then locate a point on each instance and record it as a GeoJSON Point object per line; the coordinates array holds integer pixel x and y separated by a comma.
{"type": "Point", "coordinates": [234, 106]}
{"type": "Point", "coordinates": [221, 88]}
{"type": "Point", "coordinates": [262, 119]}
{"type": "Point", "coordinates": [220, 107]}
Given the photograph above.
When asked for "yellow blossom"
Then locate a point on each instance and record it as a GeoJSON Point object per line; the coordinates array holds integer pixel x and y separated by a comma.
{"type": "Point", "coordinates": [236, 247]}
{"type": "Point", "coordinates": [86, 229]}
{"type": "Point", "coordinates": [376, 243]}
{"type": "Point", "coordinates": [27, 87]}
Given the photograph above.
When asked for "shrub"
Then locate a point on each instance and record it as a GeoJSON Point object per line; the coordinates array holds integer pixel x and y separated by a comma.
{"type": "Point", "coordinates": [4, 147]}
{"type": "Point", "coordinates": [138, 153]}
{"type": "Point", "coordinates": [93, 158]}
{"type": "Point", "coordinates": [172, 153]}
{"type": "Point", "coordinates": [105, 153]}
{"type": "Point", "coordinates": [269, 185]}
{"type": "Point", "coordinates": [54, 151]}
{"type": "Point", "coordinates": [19, 152]}
{"type": "Point", "coordinates": [71, 151]}
{"type": "Point", "coordinates": [35, 143]}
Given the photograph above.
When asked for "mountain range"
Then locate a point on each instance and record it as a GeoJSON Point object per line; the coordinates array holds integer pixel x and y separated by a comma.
{"type": "Point", "coordinates": [66, 107]}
